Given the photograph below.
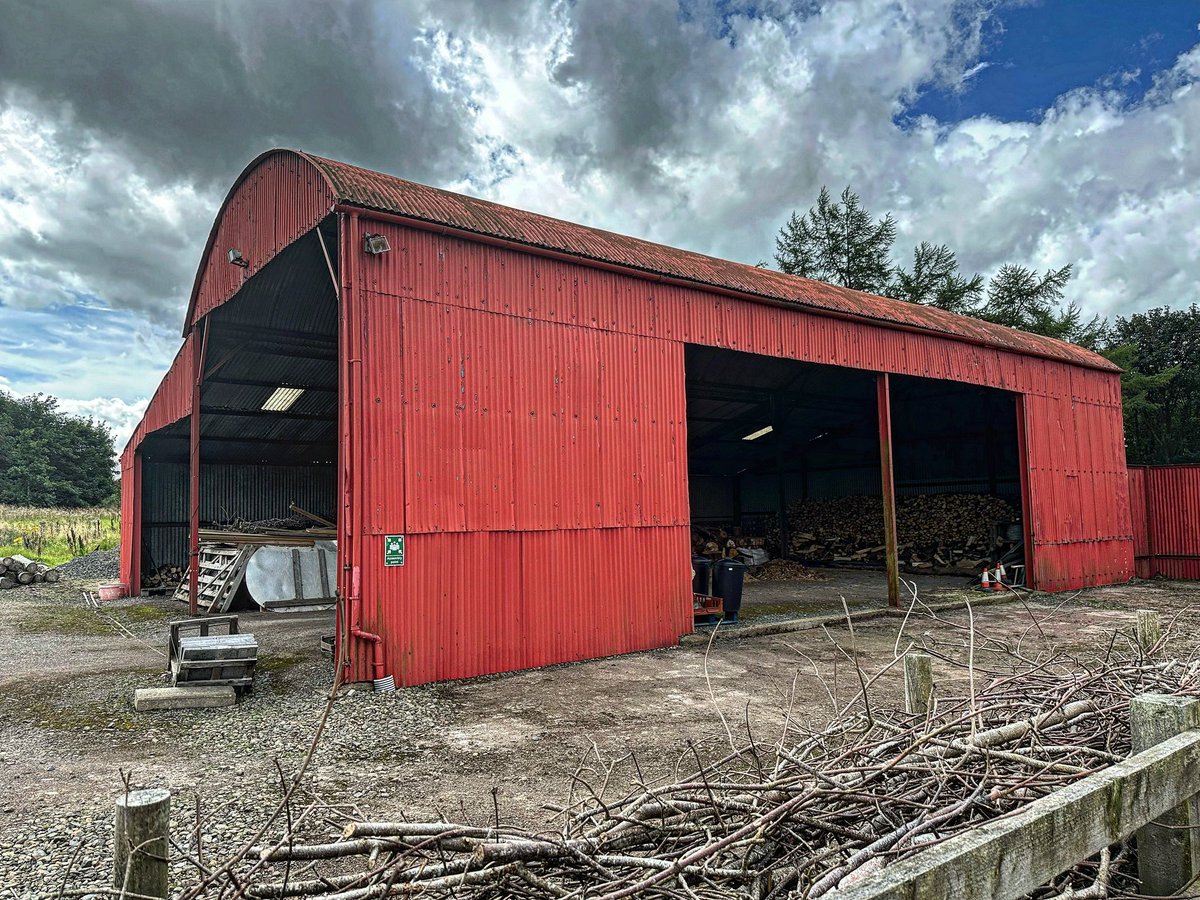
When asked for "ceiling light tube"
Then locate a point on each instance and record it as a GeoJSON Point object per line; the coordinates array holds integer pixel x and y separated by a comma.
{"type": "Point", "coordinates": [755, 435]}
{"type": "Point", "coordinates": [282, 399]}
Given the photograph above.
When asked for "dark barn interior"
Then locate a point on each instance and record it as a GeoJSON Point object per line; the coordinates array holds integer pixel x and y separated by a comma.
{"type": "Point", "coordinates": [784, 456]}
{"type": "Point", "coordinates": [268, 408]}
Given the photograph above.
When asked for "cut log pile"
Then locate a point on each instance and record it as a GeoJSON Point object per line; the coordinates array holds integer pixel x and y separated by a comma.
{"type": "Point", "coordinates": [943, 532]}
{"type": "Point", "coordinates": [163, 577]}
{"type": "Point", "coordinates": [17, 571]}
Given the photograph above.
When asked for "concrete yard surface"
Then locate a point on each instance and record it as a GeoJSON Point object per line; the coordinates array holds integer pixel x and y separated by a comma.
{"type": "Point", "coordinates": [68, 728]}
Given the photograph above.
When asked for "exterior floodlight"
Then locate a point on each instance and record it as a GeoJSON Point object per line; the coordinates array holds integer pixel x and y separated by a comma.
{"type": "Point", "coordinates": [282, 399]}
{"type": "Point", "coordinates": [375, 244]}
{"type": "Point", "coordinates": [755, 435]}
{"type": "Point", "coordinates": [235, 257]}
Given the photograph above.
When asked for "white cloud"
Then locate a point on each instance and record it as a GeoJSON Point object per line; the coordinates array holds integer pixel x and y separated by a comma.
{"type": "Point", "coordinates": [664, 120]}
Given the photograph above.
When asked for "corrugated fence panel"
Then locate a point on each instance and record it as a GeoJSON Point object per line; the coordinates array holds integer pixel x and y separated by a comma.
{"type": "Point", "coordinates": [1165, 502]}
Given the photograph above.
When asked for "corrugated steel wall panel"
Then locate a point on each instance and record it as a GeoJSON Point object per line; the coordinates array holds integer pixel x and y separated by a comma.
{"type": "Point", "coordinates": [279, 197]}
{"type": "Point", "coordinates": [476, 602]}
{"type": "Point", "coordinates": [1165, 501]}
{"type": "Point", "coordinates": [1078, 480]}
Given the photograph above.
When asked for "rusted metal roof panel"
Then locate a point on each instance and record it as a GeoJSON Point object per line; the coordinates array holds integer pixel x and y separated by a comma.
{"type": "Point", "coordinates": [387, 193]}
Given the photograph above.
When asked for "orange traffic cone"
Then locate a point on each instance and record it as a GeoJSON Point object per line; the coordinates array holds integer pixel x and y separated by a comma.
{"type": "Point", "coordinates": [1000, 576]}
{"type": "Point", "coordinates": [985, 581]}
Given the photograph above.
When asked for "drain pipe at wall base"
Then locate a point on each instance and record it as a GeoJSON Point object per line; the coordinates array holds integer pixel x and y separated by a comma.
{"type": "Point", "coordinates": [383, 683]}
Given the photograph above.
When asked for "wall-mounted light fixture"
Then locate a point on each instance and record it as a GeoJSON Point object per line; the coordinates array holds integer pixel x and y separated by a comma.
{"type": "Point", "coordinates": [235, 257]}
{"type": "Point", "coordinates": [375, 244]}
{"type": "Point", "coordinates": [755, 435]}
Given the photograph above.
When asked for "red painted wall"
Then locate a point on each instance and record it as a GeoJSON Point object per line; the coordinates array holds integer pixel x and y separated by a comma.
{"type": "Point", "coordinates": [524, 424]}
{"type": "Point", "coordinates": [1165, 503]}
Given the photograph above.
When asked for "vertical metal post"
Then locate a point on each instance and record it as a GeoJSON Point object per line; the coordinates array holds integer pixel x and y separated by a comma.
{"type": "Point", "coordinates": [884, 403]}
{"type": "Point", "coordinates": [1026, 496]}
{"type": "Point", "coordinates": [135, 531]}
{"type": "Point", "coordinates": [199, 351]}
{"type": "Point", "coordinates": [1169, 847]}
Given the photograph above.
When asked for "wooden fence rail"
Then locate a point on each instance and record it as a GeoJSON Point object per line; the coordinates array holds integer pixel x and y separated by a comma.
{"type": "Point", "coordinates": [1007, 858]}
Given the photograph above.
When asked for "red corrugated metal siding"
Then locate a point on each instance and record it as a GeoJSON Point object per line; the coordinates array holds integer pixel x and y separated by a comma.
{"type": "Point", "coordinates": [530, 463]}
{"type": "Point", "coordinates": [171, 402]}
{"type": "Point", "coordinates": [1078, 480]}
{"type": "Point", "coordinates": [533, 398]}
{"type": "Point", "coordinates": [1165, 501]}
{"type": "Point", "coordinates": [475, 602]}
{"type": "Point", "coordinates": [387, 193]}
{"type": "Point", "coordinates": [279, 197]}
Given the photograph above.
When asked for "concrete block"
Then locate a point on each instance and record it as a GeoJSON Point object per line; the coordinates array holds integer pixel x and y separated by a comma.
{"type": "Point", "coordinates": [205, 696]}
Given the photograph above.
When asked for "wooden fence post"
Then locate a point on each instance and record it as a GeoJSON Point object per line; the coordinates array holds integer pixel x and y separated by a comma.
{"type": "Point", "coordinates": [1169, 847]}
{"type": "Point", "coordinates": [141, 842]}
{"type": "Point", "coordinates": [1149, 629]}
{"type": "Point", "coordinates": [918, 683]}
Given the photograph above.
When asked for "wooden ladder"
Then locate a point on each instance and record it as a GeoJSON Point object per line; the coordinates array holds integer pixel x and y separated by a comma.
{"type": "Point", "coordinates": [222, 569]}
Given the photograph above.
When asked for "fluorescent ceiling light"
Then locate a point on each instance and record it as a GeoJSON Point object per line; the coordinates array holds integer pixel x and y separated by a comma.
{"type": "Point", "coordinates": [282, 399]}
{"type": "Point", "coordinates": [755, 435]}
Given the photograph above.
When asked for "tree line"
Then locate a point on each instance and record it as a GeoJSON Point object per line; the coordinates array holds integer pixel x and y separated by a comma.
{"type": "Point", "coordinates": [840, 242]}
{"type": "Point", "coordinates": [50, 458]}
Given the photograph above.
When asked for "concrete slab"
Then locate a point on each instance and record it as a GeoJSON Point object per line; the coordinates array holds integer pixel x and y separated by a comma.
{"type": "Point", "coordinates": [206, 696]}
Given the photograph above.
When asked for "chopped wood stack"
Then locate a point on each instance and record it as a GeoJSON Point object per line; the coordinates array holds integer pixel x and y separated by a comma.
{"type": "Point", "coordinates": [163, 577]}
{"type": "Point", "coordinates": [940, 532]}
{"type": "Point", "coordinates": [17, 571]}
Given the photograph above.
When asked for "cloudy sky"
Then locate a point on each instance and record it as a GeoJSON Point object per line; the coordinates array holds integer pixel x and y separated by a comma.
{"type": "Point", "coordinates": [1037, 133]}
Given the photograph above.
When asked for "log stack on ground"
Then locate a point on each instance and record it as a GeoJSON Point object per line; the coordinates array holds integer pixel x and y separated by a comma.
{"type": "Point", "coordinates": [936, 532]}
{"type": "Point", "coordinates": [17, 571]}
{"type": "Point", "coordinates": [164, 577]}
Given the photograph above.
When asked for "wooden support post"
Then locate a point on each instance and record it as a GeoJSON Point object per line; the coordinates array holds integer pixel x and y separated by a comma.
{"type": "Point", "coordinates": [884, 402]}
{"type": "Point", "coordinates": [918, 683]}
{"type": "Point", "coordinates": [1149, 629]}
{"type": "Point", "coordinates": [141, 843]}
{"type": "Point", "coordinates": [1169, 847]}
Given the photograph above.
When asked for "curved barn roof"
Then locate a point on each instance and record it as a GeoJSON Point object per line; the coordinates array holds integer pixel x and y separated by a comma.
{"type": "Point", "coordinates": [358, 187]}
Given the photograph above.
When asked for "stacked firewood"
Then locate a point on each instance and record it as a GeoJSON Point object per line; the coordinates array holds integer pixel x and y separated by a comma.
{"type": "Point", "coordinates": [945, 532]}
{"type": "Point", "coordinates": [163, 577]}
{"type": "Point", "coordinates": [17, 571]}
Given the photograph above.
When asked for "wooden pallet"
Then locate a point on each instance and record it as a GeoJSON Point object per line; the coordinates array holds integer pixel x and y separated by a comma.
{"type": "Point", "coordinates": [206, 658]}
{"type": "Point", "coordinates": [222, 569]}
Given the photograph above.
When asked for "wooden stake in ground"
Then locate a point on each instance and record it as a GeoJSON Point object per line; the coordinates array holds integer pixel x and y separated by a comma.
{"type": "Point", "coordinates": [918, 683]}
{"type": "Point", "coordinates": [141, 843]}
{"type": "Point", "coordinates": [1149, 629]}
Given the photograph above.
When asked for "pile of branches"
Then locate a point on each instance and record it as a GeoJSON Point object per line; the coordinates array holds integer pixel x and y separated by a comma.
{"type": "Point", "coordinates": [793, 817]}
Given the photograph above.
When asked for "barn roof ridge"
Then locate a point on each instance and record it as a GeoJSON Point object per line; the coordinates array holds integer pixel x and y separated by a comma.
{"type": "Point", "coordinates": [371, 190]}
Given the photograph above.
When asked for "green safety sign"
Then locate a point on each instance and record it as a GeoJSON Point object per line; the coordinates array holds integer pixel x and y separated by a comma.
{"type": "Point", "coordinates": [393, 550]}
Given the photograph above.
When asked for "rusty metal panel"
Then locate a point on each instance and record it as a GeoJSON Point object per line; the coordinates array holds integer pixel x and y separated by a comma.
{"type": "Point", "coordinates": [474, 603]}
{"type": "Point", "coordinates": [385, 193]}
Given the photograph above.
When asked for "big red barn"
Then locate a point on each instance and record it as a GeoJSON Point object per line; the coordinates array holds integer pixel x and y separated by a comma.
{"type": "Point", "coordinates": [541, 410]}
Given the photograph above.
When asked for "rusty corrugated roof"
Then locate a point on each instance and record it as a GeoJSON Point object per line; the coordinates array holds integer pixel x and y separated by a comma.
{"type": "Point", "coordinates": [373, 190]}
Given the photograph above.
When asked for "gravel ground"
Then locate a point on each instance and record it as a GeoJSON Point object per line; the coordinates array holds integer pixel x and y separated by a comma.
{"type": "Point", "coordinates": [104, 564]}
{"type": "Point", "coordinates": [68, 730]}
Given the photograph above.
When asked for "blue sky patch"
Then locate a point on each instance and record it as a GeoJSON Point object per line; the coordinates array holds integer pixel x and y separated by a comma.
{"type": "Point", "coordinates": [1034, 54]}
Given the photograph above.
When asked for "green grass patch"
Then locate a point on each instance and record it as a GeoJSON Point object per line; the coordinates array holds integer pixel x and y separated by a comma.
{"type": "Point", "coordinates": [74, 620]}
{"type": "Point", "coordinates": [138, 613]}
{"type": "Point", "coordinates": [56, 536]}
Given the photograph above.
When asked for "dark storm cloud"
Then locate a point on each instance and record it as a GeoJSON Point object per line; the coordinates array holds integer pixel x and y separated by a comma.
{"type": "Point", "coordinates": [196, 90]}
